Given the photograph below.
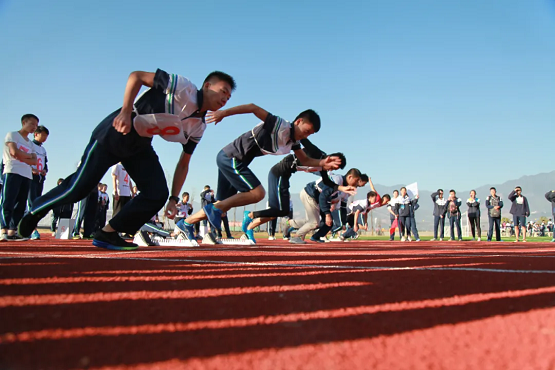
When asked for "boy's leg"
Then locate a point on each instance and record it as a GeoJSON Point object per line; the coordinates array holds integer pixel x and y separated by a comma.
{"type": "Point", "coordinates": [497, 223]}
{"type": "Point", "coordinates": [90, 215]}
{"type": "Point", "coordinates": [459, 228]}
{"type": "Point", "coordinates": [21, 204]}
{"type": "Point", "coordinates": [225, 221]}
{"type": "Point", "coordinates": [490, 230]}
{"type": "Point", "coordinates": [96, 160]}
{"type": "Point", "coordinates": [80, 216]}
{"type": "Point", "coordinates": [278, 201]}
{"type": "Point", "coordinates": [312, 216]}
{"type": "Point", "coordinates": [10, 192]}
{"type": "Point", "coordinates": [145, 169]}
{"type": "Point", "coordinates": [413, 228]}
{"type": "Point", "coordinates": [436, 225]}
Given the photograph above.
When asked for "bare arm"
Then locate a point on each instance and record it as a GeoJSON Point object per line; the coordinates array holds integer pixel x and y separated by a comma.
{"type": "Point", "coordinates": [115, 185]}
{"type": "Point", "coordinates": [328, 163]}
{"type": "Point", "coordinates": [179, 176]}
{"type": "Point", "coordinates": [371, 184]}
{"type": "Point", "coordinates": [20, 155]}
{"type": "Point", "coordinates": [137, 79]}
{"type": "Point", "coordinates": [215, 117]}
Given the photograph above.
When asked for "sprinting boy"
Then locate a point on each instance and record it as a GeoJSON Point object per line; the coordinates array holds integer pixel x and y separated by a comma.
{"type": "Point", "coordinates": [18, 156]}
{"type": "Point", "coordinates": [237, 184]}
{"type": "Point", "coordinates": [174, 109]}
{"type": "Point", "coordinates": [39, 170]}
{"type": "Point", "coordinates": [278, 187]}
{"type": "Point", "coordinates": [362, 207]}
{"type": "Point", "coordinates": [317, 199]}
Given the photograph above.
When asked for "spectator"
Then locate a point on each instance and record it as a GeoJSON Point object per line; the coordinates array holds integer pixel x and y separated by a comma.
{"type": "Point", "coordinates": [494, 205]}
{"type": "Point", "coordinates": [392, 212]}
{"type": "Point", "coordinates": [18, 155]}
{"type": "Point", "coordinates": [64, 211]}
{"type": "Point", "coordinates": [454, 214]}
{"type": "Point", "coordinates": [440, 208]}
{"type": "Point", "coordinates": [39, 170]}
{"type": "Point", "coordinates": [550, 196]}
{"type": "Point", "coordinates": [520, 210]}
{"type": "Point", "coordinates": [473, 204]}
{"type": "Point", "coordinates": [122, 188]}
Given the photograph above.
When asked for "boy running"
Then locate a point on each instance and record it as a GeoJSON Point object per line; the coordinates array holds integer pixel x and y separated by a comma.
{"type": "Point", "coordinates": [237, 184]}
{"type": "Point", "coordinates": [362, 207]}
{"type": "Point", "coordinates": [173, 108]}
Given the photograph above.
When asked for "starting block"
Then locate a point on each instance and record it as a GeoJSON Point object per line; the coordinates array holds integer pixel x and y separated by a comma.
{"type": "Point", "coordinates": [142, 239]}
{"type": "Point", "coordinates": [242, 241]}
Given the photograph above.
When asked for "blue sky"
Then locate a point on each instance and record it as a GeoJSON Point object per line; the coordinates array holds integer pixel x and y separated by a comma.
{"type": "Point", "coordinates": [449, 94]}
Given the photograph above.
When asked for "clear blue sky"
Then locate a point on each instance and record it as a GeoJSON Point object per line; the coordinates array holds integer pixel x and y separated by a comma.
{"type": "Point", "coordinates": [452, 94]}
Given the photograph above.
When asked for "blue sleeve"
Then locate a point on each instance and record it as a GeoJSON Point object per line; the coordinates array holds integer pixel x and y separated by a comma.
{"type": "Point", "coordinates": [501, 204]}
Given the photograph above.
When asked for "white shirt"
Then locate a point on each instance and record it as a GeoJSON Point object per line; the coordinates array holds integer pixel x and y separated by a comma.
{"type": "Point", "coordinates": [122, 180]}
{"type": "Point", "coordinates": [12, 165]}
{"type": "Point", "coordinates": [183, 209]}
{"type": "Point", "coordinates": [174, 125]}
{"type": "Point", "coordinates": [41, 157]}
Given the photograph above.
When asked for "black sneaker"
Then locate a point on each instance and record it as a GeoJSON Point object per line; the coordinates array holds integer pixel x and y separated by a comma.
{"type": "Point", "coordinates": [17, 238]}
{"type": "Point", "coordinates": [112, 241]}
{"type": "Point", "coordinates": [28, 224]}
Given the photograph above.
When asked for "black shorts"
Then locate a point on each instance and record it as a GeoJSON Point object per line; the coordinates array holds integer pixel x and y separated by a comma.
{"type": "Point", "coordinates": [233, 176]}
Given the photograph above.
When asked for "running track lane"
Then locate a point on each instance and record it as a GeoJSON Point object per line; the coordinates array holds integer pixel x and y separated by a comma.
{"type": "Point", "coordinates": [358, 305]}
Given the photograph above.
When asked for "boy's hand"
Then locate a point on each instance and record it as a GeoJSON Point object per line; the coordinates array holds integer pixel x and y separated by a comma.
{"type": "Point", "coordinates": [329, 220]}
{"type": "Point", "coordinates": [351, 190]}
{"type": "Point", "coordinates": [216, 117]}
{"type": "Point", "coordinates": [330, 163]}
{"type": "Point", "coordinates": [122, 123]}
{"type": "Point", "coordinates": [171, 209]}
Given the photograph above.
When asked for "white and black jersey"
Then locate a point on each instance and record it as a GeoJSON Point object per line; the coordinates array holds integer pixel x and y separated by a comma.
{"type": "Point", "coordinates": [364, 206]}
{"type": "Point", "coordinates": [170, 108]}
{"type": "Point", "coordinates": [274, 136]}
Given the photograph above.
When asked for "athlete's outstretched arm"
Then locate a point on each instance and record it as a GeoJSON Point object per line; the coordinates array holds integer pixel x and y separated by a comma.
{"type": "Point", "coordinates": [179, 176]}
{"type": "Point", "coordinates": [137, 79]}
{"type": "Point", "coordinates": [217, 116]}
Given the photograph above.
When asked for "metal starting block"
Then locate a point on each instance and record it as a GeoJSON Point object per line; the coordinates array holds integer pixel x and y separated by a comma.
{"type": "Point", "coordinates": [242, 241]}
{"type": "Point", "coordinates": [142, 239]}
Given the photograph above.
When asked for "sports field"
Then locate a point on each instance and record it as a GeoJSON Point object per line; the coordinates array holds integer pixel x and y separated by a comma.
{"type": "Point", "coordinates": [357, 305]}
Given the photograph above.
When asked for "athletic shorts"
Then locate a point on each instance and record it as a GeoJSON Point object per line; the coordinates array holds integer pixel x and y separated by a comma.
{"type": "Point", "coordinates": [233, 176]}
{"type": "Point", "coordinates": [519, 220]}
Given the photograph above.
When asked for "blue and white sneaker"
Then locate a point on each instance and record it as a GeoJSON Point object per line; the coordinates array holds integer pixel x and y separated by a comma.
{"type": "Point", "coordinates": [250, 235]}
{"type": "Point", "coordinates": [246, 221]}
{"type": "Point", "coordinates": [313, 239]}
{"type": "Point", "coordinates": [188, 231]}
{"type": "Point", "coordinates": [35, 235]}
{"type": "Point", "coordinates": [214, 216]}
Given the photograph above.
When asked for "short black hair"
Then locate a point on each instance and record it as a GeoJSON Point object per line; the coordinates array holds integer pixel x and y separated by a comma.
{"type": "Point", "coordinates": [440, 190]}
{"type": "Point", "coordinates": [354, 172]}
{"type": "Point", "coordinates": [493, 188]}
{"type": "Point", "coordinates": [28, 116]}
{"type": "Point", "coordinates": [403, 188]}
{"type": "Point", "coordinates": [222, 77]}
{"type": "Point", "coordinates": [364, 177]}
{"type": "Point", "coordinates": [185, 193]}
{"type": "Point", "coordinates": [473, 191]}
{"type": "Point", "coordinates": [395, 190]}
{"type": "Point", "coordinates": [371, 194]}
{"type": "Point", "coordinates": [518, 187]}
{"type": "Point", "coordinates": [342, 157]}
{"type": "Point", "coordinates": [452, 191]}
{"type": "Point", "coordinates": [59, 180]}
{"type": "Point", "coordinates": [311, 116]}
{"type": "Point", "coordinates": [386, 196]}
{"type": "Point", "coordinates": [206, 187]}
{"type": "Point", "coordinates": [42, 129]}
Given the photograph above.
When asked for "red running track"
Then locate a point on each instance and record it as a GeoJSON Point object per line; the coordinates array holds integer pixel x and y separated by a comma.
{"type": "Point", "coordinates": [358, 305]}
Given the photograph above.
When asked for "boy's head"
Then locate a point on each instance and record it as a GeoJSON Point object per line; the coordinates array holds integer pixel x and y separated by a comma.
{"type": "Point", "coordinates": [386, 199]}
{"type": "Point", "coordinates": [473, 193]}
{"type": "Point", "coordinates": [440, 193]}
{"type": "Point", "coordinates": [216, 89]}
{"type": "Point", "coordinates": [104, 188]}
{"type": "Point", "coordinates": [99, 186]}
{"type": "Point", "coordinates": [342, 157]}
{"type": "Point", "coordinates": [395, 193]}
{"type": "Point", "coordinates": [371, 196]}
{"type": "Point", "coordinates": [492, 191]}
{"type": "Point", "coordinates": [206, 187]}
{"type": "Point", "coordinates": [306, 124]}
{"type": "Point", "coordinates": [452, 194]}
{"type": "Point", "coordinates": [60, 181]}
{"type": "Point", "coordinates": [41, 134]}
{"type": "Point", "coordinates": [403, 191]}
{"type": "Point", "coordinates": [353, 177]}
{"type": "Point", "coordinates": [518, 190]}
{"type": "Point", "coordinates": [29, 123]}
{"type": "Point", "coordinates": [185, 197]}
{"type": "Point", "coordinates": [363, 180]}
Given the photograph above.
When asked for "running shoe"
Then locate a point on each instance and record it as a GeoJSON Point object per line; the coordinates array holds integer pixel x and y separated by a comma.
{"type": "Point", "coordinates": [250, 235]}
{"type": "Point", "coordinates": [112, 241]}
{"type": "Point", "coordinates": [313, 239]}
{"type": "Point", "coordinates": [3, 237]}
{"type": "Point", "coordinates": [296, 240]}
{"type": "Point", "coordinates": [35, 235]}
{"type": "Point", "coordinates": [187, 231]}
{"type": "Point", "coordinates": [246, 221]}
{"type": "Point", "coordinates": [214, 216]}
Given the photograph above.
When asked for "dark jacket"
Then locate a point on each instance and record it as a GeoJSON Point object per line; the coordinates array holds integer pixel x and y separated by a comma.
{"type": "Point", "coordinates": [473, 207]}
{"type": "Point", "coordinates": [490, 203]}
{"type": "Point", "coordinates": [440, 205]}
{"type": "Point", "coordinates": [550, 196]}
{"type": "Point", "coordinates": [519, 209]}
{"type": "Point", "coordinates": [457, 204]}
{"type": "Point", "coordinates": [404, 210]}
{"type": "Point", "coordinates": [203, 200]}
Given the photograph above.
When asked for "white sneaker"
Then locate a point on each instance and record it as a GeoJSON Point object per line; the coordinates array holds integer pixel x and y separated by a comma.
{"type": "Point", "coordinates": [285, 238]}
{"type": "Point", "coordinates": [3, 237]}
{"type": "Point", "coordinates": [440, 239]}
{"type": "Point", "coordinates": [450, 239]}
{"type": "Point", "coordinates": [417, 240]}
{"type": "Point", "coordinates": [409, 239]}
{"type": "Point", "coordinates": [479, 239]}
{"type": "Point", "coordinates": [296, 240]}
{"type": "Point", "coordinates": [271, 238]}
{"type": "Point", "coordinates": [403, 239]}
{"type": "Point", "coordinates": [54, 233]}
{"type": "Point", "coordinates": [433, 239]}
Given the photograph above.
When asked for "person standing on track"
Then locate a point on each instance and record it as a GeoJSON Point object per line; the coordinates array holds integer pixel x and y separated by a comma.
{"type": "Point", "coordinates": [392, 209]}
{"type": "Point", "coordinates": [454, 214]}
{"type": "Point", "coordinates": [550, 196]}
{"type": "Point", "coordinates": [39, 170]}
{"type": "Point", "coordinates": [122, 184]}
{"type": "Point", "coordinates": [494, 205]}
{"type": "Point", "coordinates": [440, 209]}
{"type": "Point", "coordinates": [473, 204]}
{"type": "Point", "coordinates": [520, 210]}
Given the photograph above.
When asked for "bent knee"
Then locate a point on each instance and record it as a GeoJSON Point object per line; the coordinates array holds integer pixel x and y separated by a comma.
{"type": "Point", "coordinates": [258, 193]}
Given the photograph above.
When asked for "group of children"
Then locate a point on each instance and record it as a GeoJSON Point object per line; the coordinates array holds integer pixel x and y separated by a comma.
{"type": "Point", "coordinates": [176, 110]}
